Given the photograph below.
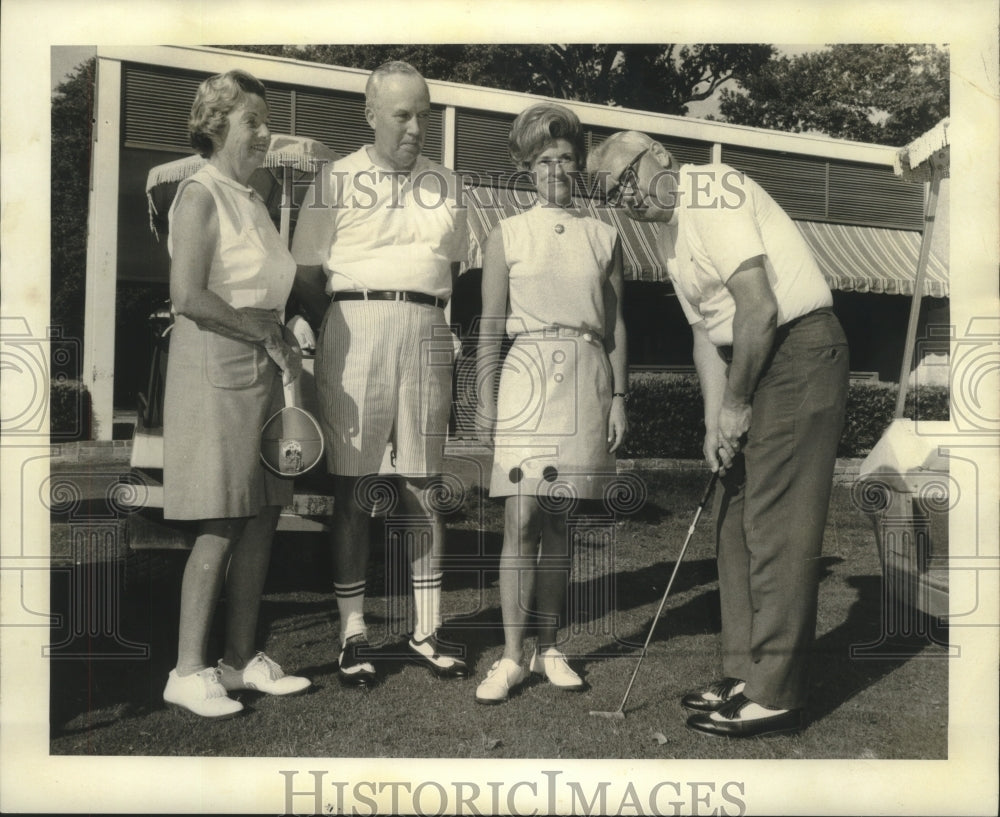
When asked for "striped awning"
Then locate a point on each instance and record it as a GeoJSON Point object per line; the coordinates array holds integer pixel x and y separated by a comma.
{"type": "Point", "coordinates": [853, 258]}
{"type": "Point", "coordinates": [873, 259]}
{"type": "Point", "coordinates": [488, 205]}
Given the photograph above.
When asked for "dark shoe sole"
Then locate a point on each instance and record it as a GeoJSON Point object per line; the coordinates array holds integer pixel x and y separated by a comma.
{"type": "Point", "coordinates": [537, 677]}
{"type": "Point", "coordinates": [190, 713]}
{"type": "Point", "coordinates": [357, 679]}
{"type": "Point", "coordinates": [263, 693]}
{"type": "Point", "coordinates": [444, 673]}
{"type": "Point", "coordinates": [748, 731]}
{"type": "Point", "coordinates": [354, 681]}
{"type": "Point", "coordinates": [754, 734]}
{"type": "Point", "coordinates": [303, 691]}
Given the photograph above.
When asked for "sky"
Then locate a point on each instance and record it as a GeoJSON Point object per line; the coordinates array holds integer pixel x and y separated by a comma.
{"type": "Point", "coordinates": [66, 58]}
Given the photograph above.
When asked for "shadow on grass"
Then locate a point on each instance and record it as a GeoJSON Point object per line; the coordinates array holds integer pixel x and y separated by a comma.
{"type": "Point", "coordinates": [874, 640]}
{"type": "Point", "coordinates": [112, 646]}
{"type": "Point", "coordinates": [101, 685]}
{"type": "Point", "coordinates": [114, 631]}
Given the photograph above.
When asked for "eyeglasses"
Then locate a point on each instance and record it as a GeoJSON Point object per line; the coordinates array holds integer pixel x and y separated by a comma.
{"type": "Point", "coordinates": [627, 179]}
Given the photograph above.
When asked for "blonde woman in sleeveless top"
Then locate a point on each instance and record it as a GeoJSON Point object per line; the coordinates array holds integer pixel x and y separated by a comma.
{"type": "Point", "coordinates": [552, 280]}
{"type": "Point", "coordinates": [230, 276]}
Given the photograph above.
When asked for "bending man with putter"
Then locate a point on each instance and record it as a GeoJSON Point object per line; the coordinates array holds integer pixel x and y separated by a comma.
{"type": "Point", "coordinates": [773, 366]}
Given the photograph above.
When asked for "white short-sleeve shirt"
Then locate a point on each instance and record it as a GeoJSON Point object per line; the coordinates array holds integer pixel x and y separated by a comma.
{"type": "Point", "coordinates": [371, 228]}
{"type": "Point", "coordinates": [722, 218]}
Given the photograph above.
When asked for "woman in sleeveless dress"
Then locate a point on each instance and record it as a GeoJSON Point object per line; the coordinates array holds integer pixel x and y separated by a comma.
{"type": "Point", "coordinates": [552, 280]}
{"type": "Point", "coordinates": [230, 276]}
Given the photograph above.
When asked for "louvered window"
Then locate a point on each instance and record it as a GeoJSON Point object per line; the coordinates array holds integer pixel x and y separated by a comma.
{"type": "Point", "coordinates": [156, 109]}
{"type": "Point", "coordinates": [797, 183]}
{"type": "Point", "coordinates": [336, 120]}
{"type": "Point", "coordinates": [279, 105]}
{"type": "Point", "coordinates": [817, 189]}
{"type": "Point", "coordinates": [157, 105]}
{"type": "Point", "coordinates": [434, 138]}
{"type": "Point", "coordinates": [481, 143]}
{"type": "Point", "coordinates": [686, 151]}
{"type": "Point", "coordinates": [868, 194]}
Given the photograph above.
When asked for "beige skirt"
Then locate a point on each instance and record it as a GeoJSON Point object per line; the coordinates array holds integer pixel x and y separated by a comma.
{"type": "Point", "coordinates": [551, 436]}
{"type": "Point", "coordinates": [219, 393]}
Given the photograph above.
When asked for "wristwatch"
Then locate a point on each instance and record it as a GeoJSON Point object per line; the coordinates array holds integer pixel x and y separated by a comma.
{"type": "Point", "coordinates": [624, 395]}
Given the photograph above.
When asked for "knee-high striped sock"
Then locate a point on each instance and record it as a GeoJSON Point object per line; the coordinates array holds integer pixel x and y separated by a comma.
{"type": "Point", "coordinates": [427, 605]}
{"type": "Point", "coordinates": [350, 605]}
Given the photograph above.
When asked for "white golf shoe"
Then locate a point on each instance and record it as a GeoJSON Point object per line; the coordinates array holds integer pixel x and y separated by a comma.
{"type": "Point", "coordinates": [262, 674]}
{"type": "Point", "coordinates": [553, 665]}
{"type": "Point", "coordinates": [201, 693]}
{"type": "Point", "coordinates": [503, 676]}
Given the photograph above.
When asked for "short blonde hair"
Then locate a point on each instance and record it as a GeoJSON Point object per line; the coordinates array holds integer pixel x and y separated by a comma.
{"type": "Point", "coordinates": [215, 99]}
{"type": "Point", "coordinates": [624, 138]}
{"type": "Point", "coordinates": [538, 126]}
{"type": "Point", "coordinates": [387, 69]}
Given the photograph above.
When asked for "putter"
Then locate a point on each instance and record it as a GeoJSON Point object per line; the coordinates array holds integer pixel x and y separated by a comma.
{"type": "Point", "coordinates": [619, 713]}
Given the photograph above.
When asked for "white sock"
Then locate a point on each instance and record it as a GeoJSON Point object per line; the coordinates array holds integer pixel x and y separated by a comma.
{"type": "Point", "coordinates": [350, 605]}
{"type": "Point", "coordinates": [427, 605]}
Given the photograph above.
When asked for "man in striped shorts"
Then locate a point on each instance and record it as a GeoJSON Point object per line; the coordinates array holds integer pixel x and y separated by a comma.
{"type": "Point", "coordinates": [377, 243]}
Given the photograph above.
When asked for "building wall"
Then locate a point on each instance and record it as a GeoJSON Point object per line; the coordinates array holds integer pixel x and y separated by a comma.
{"type": "Point", "coordinates": [829, 184]}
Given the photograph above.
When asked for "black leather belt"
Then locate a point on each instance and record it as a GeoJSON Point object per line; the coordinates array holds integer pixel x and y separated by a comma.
{"type": "Point", "coordinates": [390, 295]}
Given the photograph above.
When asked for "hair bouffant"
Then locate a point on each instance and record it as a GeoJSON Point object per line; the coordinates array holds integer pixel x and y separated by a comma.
{"type": "Point", "coordinates": [216, 97]}
{"type": "Point", "coordinates": [536, 127]}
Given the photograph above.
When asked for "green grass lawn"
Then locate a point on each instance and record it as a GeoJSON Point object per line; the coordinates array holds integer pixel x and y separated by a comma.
{"type": "Point", "coordinates": [114, 706]}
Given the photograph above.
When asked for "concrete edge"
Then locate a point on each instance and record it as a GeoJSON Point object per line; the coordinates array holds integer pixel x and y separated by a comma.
{"type": "Point", "coordinates": [118, 452]}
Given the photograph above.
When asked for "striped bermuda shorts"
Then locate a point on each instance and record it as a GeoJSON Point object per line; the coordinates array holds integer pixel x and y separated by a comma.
{"type": "Point", "coordinates": [383, 377]}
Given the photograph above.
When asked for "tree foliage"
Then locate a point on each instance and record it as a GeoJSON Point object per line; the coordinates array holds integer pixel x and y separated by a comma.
{"type": "Point", "coordinates": [72, 122]}
{"type": "Point", "coordinates": [887, 94]}
{"type": "Point", "coordinates": [661, 78]}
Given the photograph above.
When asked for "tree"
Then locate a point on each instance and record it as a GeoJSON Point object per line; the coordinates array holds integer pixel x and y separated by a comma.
{"type": "Point", "coordinates": [72, 120]}
{"type": "Point", "coordinates": [72, 134]}
{"type": "Point", "coordinates": [661, 78]}
{"type": "Point", "coordinates": [887, 94]}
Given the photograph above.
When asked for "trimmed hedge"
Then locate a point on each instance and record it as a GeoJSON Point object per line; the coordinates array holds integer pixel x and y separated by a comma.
{"type": "Point", "coordinates": [666, 418]}
{"type": "Point", "coordinates": [870, 409]}
{"type": "Point", "coordinates": [69, 410]}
